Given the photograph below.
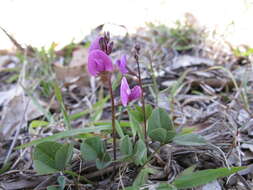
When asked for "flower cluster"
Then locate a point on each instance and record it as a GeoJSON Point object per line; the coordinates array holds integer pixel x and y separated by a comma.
{"type": "Point", "coordinates": [100, 63]}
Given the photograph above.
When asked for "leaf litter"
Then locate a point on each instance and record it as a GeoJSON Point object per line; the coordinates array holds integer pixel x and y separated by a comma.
{"type": "Point", "coordinates": [200, 81]}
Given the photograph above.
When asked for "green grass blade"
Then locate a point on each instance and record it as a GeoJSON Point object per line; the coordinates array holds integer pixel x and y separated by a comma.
{"type": "Point", "coordinates": [203, 177]}
{"type": "Point", "coordinates": [64, 134]}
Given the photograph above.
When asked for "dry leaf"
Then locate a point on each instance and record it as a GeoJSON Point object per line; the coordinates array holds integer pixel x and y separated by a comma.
{"type": "Point", "coordinates": [13, 114]}
{"type": "Point", "coordinates": [187, 61]}
{"type": "Point", "coordinates": [75, 72]}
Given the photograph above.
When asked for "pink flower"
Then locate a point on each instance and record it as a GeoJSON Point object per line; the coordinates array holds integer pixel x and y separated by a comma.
{"type": "Point", "coordinates": [128, 94]}
{"type": "Point", "coordinates": [99, 62]}
{"type": "Point", "coordinates": [95, 44]}
{"type": "Point", "coordinates": [122, 64]}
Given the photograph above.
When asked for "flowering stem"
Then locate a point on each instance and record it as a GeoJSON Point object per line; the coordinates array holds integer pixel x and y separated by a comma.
{"type": "Point", "coordinates": [142, 92]}
{"type": "Point", "coordinates": [113, 119]}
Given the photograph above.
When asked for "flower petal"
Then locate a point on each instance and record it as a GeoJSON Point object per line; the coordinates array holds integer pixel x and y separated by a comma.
{"type": "Point", "coordinates": [135, 93]}
{"type": "Point", "coordinates": [122, 65]}
{"type": "Point", "coordinates": [124, 91]}
{"type": "Point", "coordinates": [95, 44]}
{"type": "Point", "coordinates": [98, 62]}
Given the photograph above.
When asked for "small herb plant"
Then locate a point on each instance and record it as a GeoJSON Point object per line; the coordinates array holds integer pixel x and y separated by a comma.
{"type": "Point", "coordinates": [147, 124]}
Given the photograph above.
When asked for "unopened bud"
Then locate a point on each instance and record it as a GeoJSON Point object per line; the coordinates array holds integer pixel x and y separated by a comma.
{"type": "Point", "coordinates": [137, 48]}
{"type": "Point", "coordinates": [109, 47]}
{"type": "Point", "coordinates": [107, 37]}
{"type": "Point", "coordinates": [136, 57]}
{"type": "Point", "coordinates": [102, 44]}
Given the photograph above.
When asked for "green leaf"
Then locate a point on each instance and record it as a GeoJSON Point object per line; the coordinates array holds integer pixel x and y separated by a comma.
{"type": "Point", "coordinates": [38, 123]}
{"type": "Point", "coordinates": [92, 148]}
{"type": "Point", "coordinates": [63, 156]}
{"type": "Point", "coordinates": [62, 182]}
{"type": "Point", "coordinates": [44, 157]}
{"type": "Point", "coordinates": [166, 186]}
{"type": "Point", "coordinates": [103, 161]}
{"type": "Point", "coordinates": [170, 135]}
{"type": "Point", "coordinates": [135, 126]}
{"type": "Point", "coordinates": [187, 171]}
{"type": "Point", "coordinates": [138, 112]}
{"type": "Point", "coordinates": [119, 129]}
{"type": "Point", "coordinates": [126, 146]}
{"type": "Point", "coordinates": [142, 177]}
{"type": "Point", "coordinates": [133, 123]}
{"type": "Point", "coordinates": [64, 134]}
{"type": "Point", "coordinates": [159, 119]}
{"type": "Point", "coordinates": [189, 140]}
{"type": "Point", "coordinates": [159, 134]}
{"type": "Point", "coordinates": [160, 127]}
{"type": "Point", "coordinates": [148, 110]}
{"type": "Point", "coordinates": [203, 177]}
{"type": "Point", "coordinates": [140, 152]}
{"type": "Point", "coordinates": [42, 168]}
{"type": "Point", "coordinates": [97, 144]}
{"type": "Point", "coordinates": [87, 152]}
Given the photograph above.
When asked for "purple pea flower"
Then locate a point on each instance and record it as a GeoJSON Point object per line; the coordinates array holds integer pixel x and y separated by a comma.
{"type": "Point", "coordinates": [95, 44]}
{"type": "Point", "coordinates": [99, 62]}
{"type": "Point", "coordinates": [128, 94]}
{"type": "Point", "coordinates": [122, 64]}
